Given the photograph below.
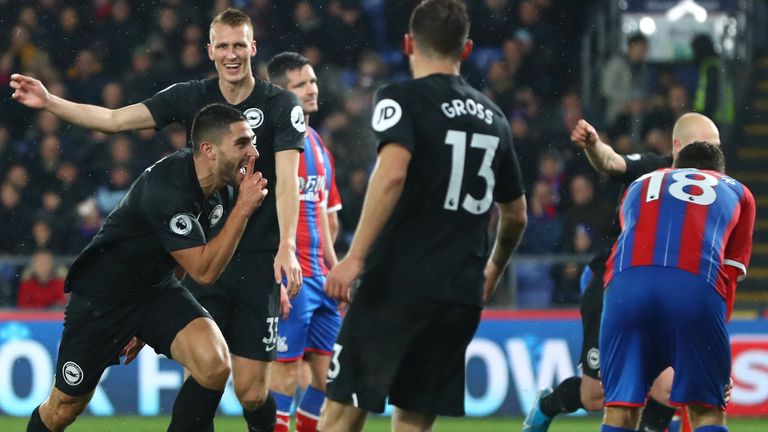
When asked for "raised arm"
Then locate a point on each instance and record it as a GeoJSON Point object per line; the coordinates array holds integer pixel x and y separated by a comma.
{"type": "Point", "coordinates": [287, 196]}
{"type": "Point", "coordinates": [32, 93]}
{"type": "Point", "coordinates": [512, 222]}
{"type": "Point", "coordinates": [205, 263]}
{"type": "Point", "coordinates": [601, 156]}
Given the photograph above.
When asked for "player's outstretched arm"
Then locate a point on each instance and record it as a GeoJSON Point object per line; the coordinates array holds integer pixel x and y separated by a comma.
{"type": "Point", "coordinates": [384, 191]}
{"type": "Point", "coordinates": [205, 263]}
{"type": "Point", "coordinates": [601, 156]}
{"type": "Point", "coordinates": [32, 93]}
{"type": "Point", "coordinates": [512, 222]}
{"type": "Point", "coordinates": [287, 201]}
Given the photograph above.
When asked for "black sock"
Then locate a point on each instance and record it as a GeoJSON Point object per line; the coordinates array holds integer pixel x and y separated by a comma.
{"type": "Point", "coordinates": [566, 398]}
{"type": "Point", "coordinates": [194, 408]}
{"type": "Point", "coordinates": [656, 416]}
{"type": "Point", "coordinates": [35, 423]}
{"type": "Point", "coordinates": [262, 419]}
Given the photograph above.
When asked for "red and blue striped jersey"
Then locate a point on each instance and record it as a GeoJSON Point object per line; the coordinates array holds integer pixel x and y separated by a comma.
{"type": "Point", "coordinates": [695, 220]}
{"type": "Point", "coordinates": [317, 193]}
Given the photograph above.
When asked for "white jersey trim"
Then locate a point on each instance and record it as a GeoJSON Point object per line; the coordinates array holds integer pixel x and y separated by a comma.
{"type": "Point", "coordinates": [738, 265]}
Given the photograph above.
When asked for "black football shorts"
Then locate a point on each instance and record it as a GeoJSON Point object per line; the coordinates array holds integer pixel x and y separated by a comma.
{"type": "Point", "coordinates": [245, 304]}
{"type": "Point", "coordinates": [97, 329]}
{"type": "Point", "coordinates": [408, 349]}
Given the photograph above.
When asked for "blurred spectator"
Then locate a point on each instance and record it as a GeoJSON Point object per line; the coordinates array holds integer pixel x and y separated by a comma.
{"type": "Point", "coordinates": [85, 78]}
{"type": "Point", "coordinates": [70, 36]}
{"type": "Point", "coordinates": [112, 95]}
{"type": "Point", "coordinates": [551, 173]}
{"type": "Point", "coordinates": [352, 195]}
{"type": "Point", "coordinates": [569, 275]}
{"type": "Point", "coordinates": [41, 237]}
{"type": "Point", "coordinates": [60, 220]}
{"type": "Point", "coordinates": [18, 176]}
{"type": "Point", "coordinates": [714, 94]}
{"type": "Point", "coordinates": [72, 187]}
{"type": "Point", "coordinates": [88, 223]}
{"type": "Point", "coordinates": [349, 33]}
{"type": "Point", "coordinates": [121, 33]}
{"type": "Point", "coordinates": [584, 212]}
{"type": "Point", "coordinates": [143, 79]}
{"type": "Point", "coordinates": [307, 27]}
{"type": "Point", "coordinates": [16, 219]}
{"type": "Point", "coordinates": [108, 196]}
{"type": "Point", "coordinates": [633, 120]}
{"type": "Point", "coordinates": [193, 65]}
{"type": "Point", "coordinates": [8, 153]}
{"type": "Point", "coordinates": [46, 163]}
{"type": "Point", "coordinates": [624, 74]}
{"type": "Point", "coordinates": [545, 228]}
{"type": "Point", "coordinates": [491, 21]}
{"type": "Point", "coordinates": [42, 284]}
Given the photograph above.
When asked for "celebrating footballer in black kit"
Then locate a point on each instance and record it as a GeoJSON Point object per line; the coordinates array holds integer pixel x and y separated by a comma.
{"type": "Point", "coordinates": [246, 308]}
{"type": "Point", "coordinates": [123, 284]}
{"type": "Point", "coordinates": [445, 157]}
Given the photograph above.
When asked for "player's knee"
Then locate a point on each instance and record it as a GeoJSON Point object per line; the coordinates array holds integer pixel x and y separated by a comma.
{"type": "Point", "coordinates": [214, 370]}
{"type": "Point", "coordinates": [592, 396]}
{"type": "Point", "coordinates": [252, 399]}
{"type": "Point", "coordinates": [593, 402]}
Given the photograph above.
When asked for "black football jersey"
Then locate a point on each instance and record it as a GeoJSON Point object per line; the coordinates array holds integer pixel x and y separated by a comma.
{"type": "Point", "coordinates": [436, 244]}
{"type": "Point", "coordinates": [638, 164]}
{"type": "Point", "coordinates": [163, 211]}
{"type": "Point", "coordinates": [275, 116]}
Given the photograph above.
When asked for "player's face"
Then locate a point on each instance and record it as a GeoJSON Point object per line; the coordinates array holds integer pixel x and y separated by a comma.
{"type": "Point", "coordinates": [233, 153]}
{"type": "Point", "coordinates": [231, 49]}
{"type": "Point", "coordinates": [303, 83]}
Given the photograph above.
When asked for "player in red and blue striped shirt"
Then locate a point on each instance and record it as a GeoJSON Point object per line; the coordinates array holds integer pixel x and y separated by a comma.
{"type": "Point", "coordinates": [671, 278]}
{"type": "Point", "coordinates": [310, 322]}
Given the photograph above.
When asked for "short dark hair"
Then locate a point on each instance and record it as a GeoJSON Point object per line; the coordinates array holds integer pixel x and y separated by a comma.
{"type": "Point", "coordinates": [440, 27]}
{"type": "Point", "coordinates": [637, 38]}
{"type": "Point", "coordinates": [212, 122]}
{"type": "Point", "coordinates": [281, 64]}
{"type": "Point", "coordinates": [701, 155]}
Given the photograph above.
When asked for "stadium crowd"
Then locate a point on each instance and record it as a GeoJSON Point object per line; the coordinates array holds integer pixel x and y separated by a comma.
{"type": "Point", "coordinates": [58, 182]}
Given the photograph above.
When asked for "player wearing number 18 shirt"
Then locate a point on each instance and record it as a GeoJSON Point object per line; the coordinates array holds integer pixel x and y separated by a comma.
{"type": "Point", "coordinates": [670, 279]}
{"type": "Point", "coordinates": [445, 156]}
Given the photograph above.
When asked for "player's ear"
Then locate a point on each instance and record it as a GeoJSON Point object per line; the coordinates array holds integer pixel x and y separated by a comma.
{"type": "Point", "coordinates": [407, 44]}
{"type": "Point", "coordinates": [254, 48]}
{"type": "Point", "coordinates": [208, 149]}
{"type": "Point", "coordinates": [468, 45]}
{"type": "Point", "coordinates": [210, 51]}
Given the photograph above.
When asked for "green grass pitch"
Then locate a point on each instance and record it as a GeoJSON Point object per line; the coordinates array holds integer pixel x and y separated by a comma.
{"type": "Point", "coordinates": [235, 424]}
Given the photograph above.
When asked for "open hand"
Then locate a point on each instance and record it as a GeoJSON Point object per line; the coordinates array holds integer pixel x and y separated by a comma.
{"type": "Point", "coordinates": [29, 91]}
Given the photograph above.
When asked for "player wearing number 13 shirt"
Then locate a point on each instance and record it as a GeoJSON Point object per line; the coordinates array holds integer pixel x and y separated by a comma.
{"type": "Point", "coordinates": [445, 156]}
{"type": "Point", "coordinates": [686, 239]}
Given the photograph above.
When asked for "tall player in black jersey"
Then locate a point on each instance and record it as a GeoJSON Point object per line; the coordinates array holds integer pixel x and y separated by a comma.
{"type": "Point", "coordinates": [587, 392]}
{"type": "Point", "coordinates": [445, 156]}
{"type": "Point", "coordinates": [124, 286]}
{"type": "Point", "coordinates": [246, 309]}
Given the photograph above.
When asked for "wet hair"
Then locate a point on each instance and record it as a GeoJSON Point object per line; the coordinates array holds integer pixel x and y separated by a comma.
{"type": "Point", "coordinates": [232, 18]}
{"type": "Point", "coordinates": [281, 64]}
{"type": "Point", "coordinates": [211, 123]}
{"type": "Point", "coordinates": [701, 155]}
{"type": "Point", "coordinates": [440, 27]}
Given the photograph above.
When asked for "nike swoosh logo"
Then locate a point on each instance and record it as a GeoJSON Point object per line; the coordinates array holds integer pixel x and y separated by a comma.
{"type": "Point", "coordinates": [270, 348]}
